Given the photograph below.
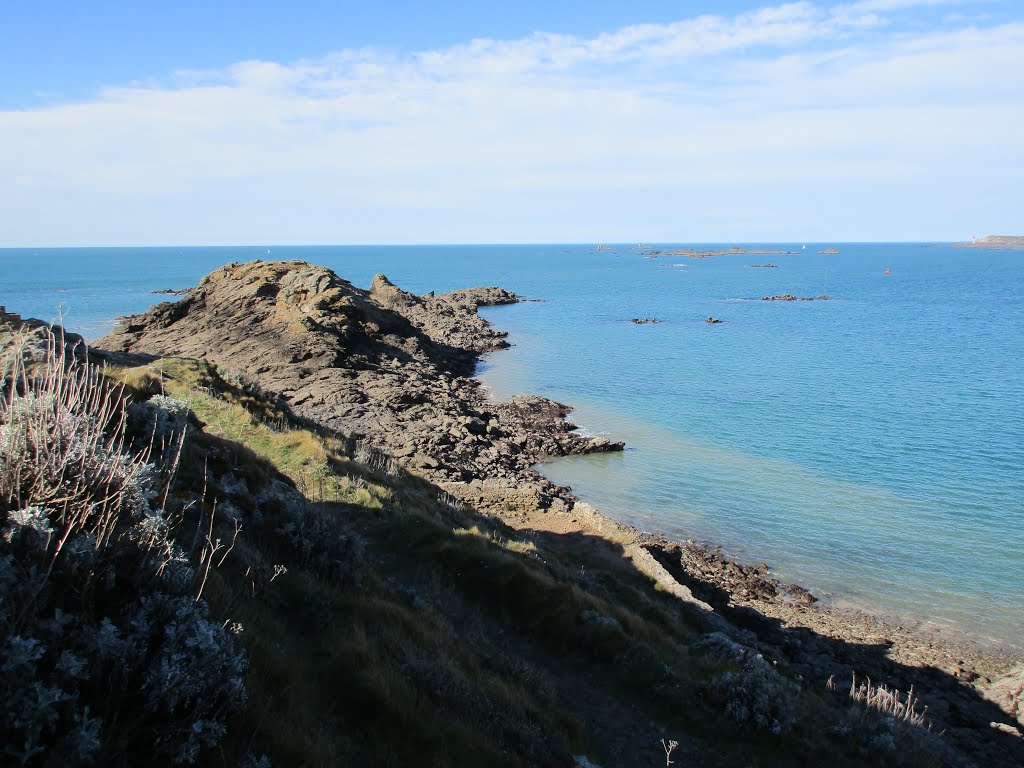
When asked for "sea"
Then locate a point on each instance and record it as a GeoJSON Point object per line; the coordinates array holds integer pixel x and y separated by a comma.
{"type": "Point", "coordinates": [868, 446]}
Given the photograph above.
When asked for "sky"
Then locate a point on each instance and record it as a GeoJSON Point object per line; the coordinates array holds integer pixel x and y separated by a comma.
{"type": "Point", "coordinates": [197, 123]}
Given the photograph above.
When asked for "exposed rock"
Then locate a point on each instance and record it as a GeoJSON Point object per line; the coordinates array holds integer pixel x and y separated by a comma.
{"type": "Point", "coordinates": [27, 332]}
{"type": "Point", "coordinates": [1008, 694]}
{"type": "Point", "coordinates": [384, 366]}
{"type": "Point", "coordinates": [645, 320]}
{"type": "Point", "coordinates": [791, 297]}
{"type": "Point", "coordinates": [549, 433]}
{"type": "Point", "coordinates": [712, 320]}
{"type": "Point", "coordinates": [449, 319]}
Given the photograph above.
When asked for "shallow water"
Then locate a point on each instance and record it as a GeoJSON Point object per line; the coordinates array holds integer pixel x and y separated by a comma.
{"type": "Point", "coordinates": [870, 446]}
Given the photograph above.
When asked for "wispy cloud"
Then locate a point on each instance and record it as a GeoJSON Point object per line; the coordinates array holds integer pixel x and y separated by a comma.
{"type": "Point", "coordinates": [794, 121]}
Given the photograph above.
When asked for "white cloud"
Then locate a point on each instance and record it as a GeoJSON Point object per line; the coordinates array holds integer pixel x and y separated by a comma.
{"type": "Point", "coordinates": [790, 116]}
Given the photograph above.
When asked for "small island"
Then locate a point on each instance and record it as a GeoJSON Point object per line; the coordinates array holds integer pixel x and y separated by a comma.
{"type": "Point", "coordinates": [829, 251]}
{"type": "Point", "coordinates": [645, 321]}
{"type": "Point", "coordinates": [791, 297]}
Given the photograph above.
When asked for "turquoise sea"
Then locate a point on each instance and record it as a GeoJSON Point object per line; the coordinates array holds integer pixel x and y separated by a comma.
{"type": "Point", "coordinates": [869, 447]}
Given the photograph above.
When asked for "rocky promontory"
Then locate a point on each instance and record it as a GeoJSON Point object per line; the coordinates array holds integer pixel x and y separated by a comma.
{"type": "Point", "coordinates": [1009, 242]}
{"type": "Point", "coordinates": [383, 366]}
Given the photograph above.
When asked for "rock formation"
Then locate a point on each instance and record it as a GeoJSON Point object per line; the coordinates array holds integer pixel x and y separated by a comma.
{"type": "Point", "coordinates": [383, 366]}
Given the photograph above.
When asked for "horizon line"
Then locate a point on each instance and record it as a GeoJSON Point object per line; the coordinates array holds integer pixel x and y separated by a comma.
{"type": "Point", "coordinates": [630, 243]}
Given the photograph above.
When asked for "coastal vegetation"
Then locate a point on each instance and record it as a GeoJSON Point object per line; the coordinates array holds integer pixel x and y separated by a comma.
{"type": "Point", "coordinates": [197, 570]}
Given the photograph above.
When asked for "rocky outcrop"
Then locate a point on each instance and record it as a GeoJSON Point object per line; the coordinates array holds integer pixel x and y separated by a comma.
{"type": "Point", "coordinates": [548, 432]}
{"type": "Point", "coordinates": [384, 366]}
{"type": "Point", "coordinates": [1008, 694]}
{"type": "Point", "coordinates": [449, 319]}
{"type": "Point", "coordinates": [29, 334]}
{"type": "Point", "coordinates": [791, 297]}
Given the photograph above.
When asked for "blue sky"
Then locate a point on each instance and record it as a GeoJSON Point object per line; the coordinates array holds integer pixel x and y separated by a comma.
{"type": "Point", "coordinates": [199, 123]}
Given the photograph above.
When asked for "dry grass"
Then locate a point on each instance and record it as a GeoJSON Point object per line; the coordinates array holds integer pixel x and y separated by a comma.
{"type": "Point", "coordinates": [887, 701]}
{"type": "Point", "coordinates": [62, 437]}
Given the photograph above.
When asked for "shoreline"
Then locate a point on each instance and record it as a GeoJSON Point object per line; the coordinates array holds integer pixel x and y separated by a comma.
{"type": "Point", "coordinates": [912, 637]}
{"type": "Point", "coordinates": [953, 633]}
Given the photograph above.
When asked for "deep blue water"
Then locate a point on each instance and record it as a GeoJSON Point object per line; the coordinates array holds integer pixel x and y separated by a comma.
{"type": "Point", "coordinates": [870, 446]}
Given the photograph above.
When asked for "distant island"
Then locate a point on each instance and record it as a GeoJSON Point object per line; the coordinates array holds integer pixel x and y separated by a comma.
{"type": "Point", "coordinates": [994, 241]}
{"type": "Point", "coordinates": [695, 254]}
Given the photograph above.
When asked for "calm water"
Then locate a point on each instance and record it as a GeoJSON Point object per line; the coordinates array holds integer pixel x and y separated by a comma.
{"type": "Point", "coordinates": [870, 447]}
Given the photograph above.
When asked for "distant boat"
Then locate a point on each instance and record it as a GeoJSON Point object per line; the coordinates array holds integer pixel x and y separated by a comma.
{"type": "Point", "coordinates": [803, 248]}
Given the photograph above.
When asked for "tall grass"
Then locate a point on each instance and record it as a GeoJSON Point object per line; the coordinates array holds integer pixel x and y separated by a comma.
{"type": "Point", "coordinates": [888, 702]}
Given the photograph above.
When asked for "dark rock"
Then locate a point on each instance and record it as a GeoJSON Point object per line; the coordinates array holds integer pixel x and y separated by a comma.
{"type": "Point", "coordinates": [299, 329]}
{"type": "Point", "coordinates": [791, 297]}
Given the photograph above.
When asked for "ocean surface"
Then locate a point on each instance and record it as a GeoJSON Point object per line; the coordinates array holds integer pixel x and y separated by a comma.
{"type": "Point", "coordinates": [869, 447]}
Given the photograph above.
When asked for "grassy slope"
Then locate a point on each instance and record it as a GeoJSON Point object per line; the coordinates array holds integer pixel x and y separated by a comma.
{"type": "Point", "coordinates": [444, 638]}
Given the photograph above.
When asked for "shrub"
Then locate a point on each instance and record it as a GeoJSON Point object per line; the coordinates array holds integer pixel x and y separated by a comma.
{"type": "Point", "coordinates": [108, 652]}
{"type": "Point", "coordinates": [754, 693]}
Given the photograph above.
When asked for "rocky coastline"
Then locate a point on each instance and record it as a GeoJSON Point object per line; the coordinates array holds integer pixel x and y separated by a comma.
{"type": "Point", "coordinates": [1007, 242]}
{"type": "Point", "coordinates": [394, 371]}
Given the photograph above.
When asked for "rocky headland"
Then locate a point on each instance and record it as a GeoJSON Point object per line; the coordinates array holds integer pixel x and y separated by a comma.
{"type": "Point", "coordinates": [386, 367]}
{"type": "Point", "coordinates": [1008, 242]}
{"type": "Point", "coordinates": [394, 370]}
